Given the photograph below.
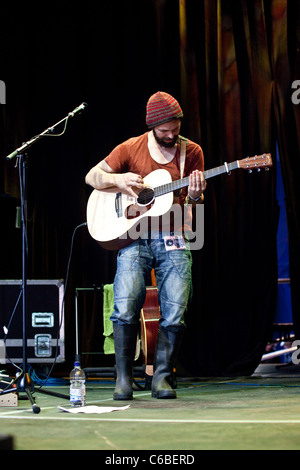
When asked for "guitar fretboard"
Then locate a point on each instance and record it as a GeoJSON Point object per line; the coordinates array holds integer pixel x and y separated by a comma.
{"type": "Point", "coordinates": [184, 182]}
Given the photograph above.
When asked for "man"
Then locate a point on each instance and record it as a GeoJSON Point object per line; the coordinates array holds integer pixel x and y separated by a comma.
{"type": "Point", "coordinates": [124, 168]}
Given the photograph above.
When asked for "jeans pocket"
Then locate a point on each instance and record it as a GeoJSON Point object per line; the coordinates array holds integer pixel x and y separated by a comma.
{"type": "Point", "coordinates": [128, 257]}
{"type": "Point", "coordinates": [182, 262]}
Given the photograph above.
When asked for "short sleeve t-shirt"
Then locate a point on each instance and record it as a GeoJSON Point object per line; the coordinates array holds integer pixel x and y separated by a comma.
{"type": "Point", "coordinates": [134, 156]}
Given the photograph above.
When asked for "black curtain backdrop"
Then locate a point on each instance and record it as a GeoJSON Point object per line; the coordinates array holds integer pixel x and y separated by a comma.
{"type": "Point", "coordinates": [231, 65]}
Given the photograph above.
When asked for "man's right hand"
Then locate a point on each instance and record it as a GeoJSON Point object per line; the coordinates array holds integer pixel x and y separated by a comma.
{"type": "Point", "coordinates": [102, 176]}
{"type": "Point", "coordinates": [129, 183]}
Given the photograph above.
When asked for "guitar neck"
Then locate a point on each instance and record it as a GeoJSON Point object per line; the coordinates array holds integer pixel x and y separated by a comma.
{"type": "Point", "coordinates": [184, 182]}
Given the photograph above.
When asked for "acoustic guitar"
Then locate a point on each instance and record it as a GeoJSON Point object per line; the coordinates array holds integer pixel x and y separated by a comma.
{"type": "Point", "coordinates": [149, 319]}
{"type": "Point", "coordinates": [111, 215]}
{"type": "Point", "coordinates": [150, 315]}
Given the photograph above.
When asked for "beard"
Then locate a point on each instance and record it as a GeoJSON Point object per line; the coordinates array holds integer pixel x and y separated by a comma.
{"type": "Point", "coordinates": [168, 143]}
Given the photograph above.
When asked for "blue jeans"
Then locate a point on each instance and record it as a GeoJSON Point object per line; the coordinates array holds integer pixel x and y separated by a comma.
{"type": "Point", "coordinates": [173, 277]}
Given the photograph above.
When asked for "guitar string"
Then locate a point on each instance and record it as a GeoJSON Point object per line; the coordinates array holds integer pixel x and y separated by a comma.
{"type": "Point", "coordinates": [178, 184]}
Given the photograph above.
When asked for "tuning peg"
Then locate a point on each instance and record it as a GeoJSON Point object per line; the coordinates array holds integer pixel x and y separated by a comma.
{"type": "Point", "coordinates": [258, 170]}
{"type": "Point", "coordinates": [267, 168]}
{"type": "Point", "coordinates": [249, 171]}
{"type": "Point", "coordinates": [227, 169]}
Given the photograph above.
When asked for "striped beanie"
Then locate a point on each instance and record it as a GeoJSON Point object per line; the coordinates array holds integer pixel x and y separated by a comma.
{"type": "Point", "coordinates": [162, 108]}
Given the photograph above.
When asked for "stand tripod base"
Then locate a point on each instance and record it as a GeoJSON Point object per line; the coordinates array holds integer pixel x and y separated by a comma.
{"type": "Point", "coordinates": [36, 409]}
{"type": "Point", "coordinates": [25, 385]}
{"type": "Point", "coordinates": [9, 393]}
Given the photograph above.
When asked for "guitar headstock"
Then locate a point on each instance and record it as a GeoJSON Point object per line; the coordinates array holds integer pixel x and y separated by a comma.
{"type": "Point", "coordinates": [256, 163]}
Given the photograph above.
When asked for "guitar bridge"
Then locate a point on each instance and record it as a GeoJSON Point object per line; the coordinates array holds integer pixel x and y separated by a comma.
{"type": "Point", "coordinates": [118, 204]}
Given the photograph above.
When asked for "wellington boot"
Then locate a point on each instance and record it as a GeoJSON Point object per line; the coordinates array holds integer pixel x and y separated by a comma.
{"type": "Point", "coordinates": [125, 337]}
{"type": "Point", "coordinates": [167, 347]}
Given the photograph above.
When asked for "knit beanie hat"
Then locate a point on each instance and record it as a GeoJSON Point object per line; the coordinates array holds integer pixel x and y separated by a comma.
{"type": "Point", "coordinates": [162, 108]}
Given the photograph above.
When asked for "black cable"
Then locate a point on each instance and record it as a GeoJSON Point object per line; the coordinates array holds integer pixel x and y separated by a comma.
{"type": "Point", "coordinates": [62, 303]}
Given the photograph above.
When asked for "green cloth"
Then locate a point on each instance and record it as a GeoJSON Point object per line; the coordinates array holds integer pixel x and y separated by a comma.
{"type": "Point", "coordinates": [108, 308]}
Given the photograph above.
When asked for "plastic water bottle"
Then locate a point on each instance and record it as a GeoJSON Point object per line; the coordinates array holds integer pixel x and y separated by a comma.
{"type": "Point", "coordinates": [77, 386]}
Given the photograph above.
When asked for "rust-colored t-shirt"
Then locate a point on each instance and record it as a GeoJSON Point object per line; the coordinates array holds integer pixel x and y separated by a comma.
{"type": "Point", "coordinates": [134, 156]}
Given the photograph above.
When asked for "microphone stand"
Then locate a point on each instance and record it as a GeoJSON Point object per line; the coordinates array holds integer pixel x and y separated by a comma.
{"type": "Point", "coordinates": [24, 383]}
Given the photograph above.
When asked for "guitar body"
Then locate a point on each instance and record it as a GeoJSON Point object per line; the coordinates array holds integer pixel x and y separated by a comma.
{"type": "Point", "coordinates": [150, 315]}
{"type": "Point", "coordinates": [114, 220]}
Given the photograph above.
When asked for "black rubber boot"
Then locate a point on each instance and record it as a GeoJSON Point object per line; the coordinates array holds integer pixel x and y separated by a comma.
{"type": "Point", "coordinates": [167, 347]}
{"type": "Point", "coordinates": [125, 337]}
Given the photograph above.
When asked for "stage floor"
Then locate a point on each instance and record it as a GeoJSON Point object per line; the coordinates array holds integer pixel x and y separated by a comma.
{"type": "Point", "coordinates": [260, 412]}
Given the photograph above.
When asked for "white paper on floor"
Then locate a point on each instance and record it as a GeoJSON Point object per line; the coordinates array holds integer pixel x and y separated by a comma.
{"type": "Point", "coordinates": [93, 409]}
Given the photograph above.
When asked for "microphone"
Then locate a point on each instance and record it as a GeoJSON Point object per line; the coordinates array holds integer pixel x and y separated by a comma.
{"type": "Point", "coordinates": [78, 109]}
{"type": "Point", "coordinates": [34, 139]}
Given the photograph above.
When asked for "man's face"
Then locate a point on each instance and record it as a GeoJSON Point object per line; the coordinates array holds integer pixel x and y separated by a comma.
{"type": "Point", "coordinates": [166, 134]}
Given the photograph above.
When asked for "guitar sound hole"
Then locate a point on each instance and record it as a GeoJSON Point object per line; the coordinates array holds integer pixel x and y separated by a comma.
{"type": "Point", "coordinates": [145, 196]}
